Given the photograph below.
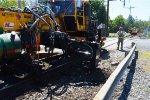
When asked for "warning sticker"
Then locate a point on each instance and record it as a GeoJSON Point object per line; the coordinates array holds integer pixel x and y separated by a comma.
{"type": "Point", "coordinates": [8, 25]}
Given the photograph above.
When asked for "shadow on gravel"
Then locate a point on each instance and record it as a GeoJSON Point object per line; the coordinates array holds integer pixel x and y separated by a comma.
{"type": "Point", "coordinates": [125, 51]}
{"type": "Point", "coordinates": [76, 79]}
{"type": "Point", "coordinates": [104, 54]}
{"type": "Point", "coordinates": [58, 84]}
{"type": "Point", "coordinates": [129, 78]}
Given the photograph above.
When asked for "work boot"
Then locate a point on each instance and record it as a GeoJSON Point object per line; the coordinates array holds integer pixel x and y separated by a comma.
{"type": "Point", "coordinates": [121, 48]}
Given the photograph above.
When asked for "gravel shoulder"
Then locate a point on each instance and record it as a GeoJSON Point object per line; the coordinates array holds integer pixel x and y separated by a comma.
{"type": "Point", "coordinates": [135, 84]}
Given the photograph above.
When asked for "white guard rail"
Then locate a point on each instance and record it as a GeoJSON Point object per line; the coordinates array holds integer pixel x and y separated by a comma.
{"type": "Point", "coordinates": [108, 88]}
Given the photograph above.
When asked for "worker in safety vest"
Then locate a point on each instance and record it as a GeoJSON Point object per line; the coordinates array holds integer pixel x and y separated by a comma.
{"type": "Point", "coordinates": [121, 34]}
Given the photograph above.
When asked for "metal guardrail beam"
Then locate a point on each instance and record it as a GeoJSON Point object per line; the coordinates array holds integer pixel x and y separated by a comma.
{"type": "Point", "coordinates": [108, 88]}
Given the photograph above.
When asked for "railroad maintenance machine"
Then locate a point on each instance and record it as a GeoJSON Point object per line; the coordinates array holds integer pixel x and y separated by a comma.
{"type": "Point", "coordinates": [31, 39]}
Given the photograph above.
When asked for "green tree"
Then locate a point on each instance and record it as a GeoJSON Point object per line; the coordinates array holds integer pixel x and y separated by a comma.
{"type": "Point", "coordinates": [135, 23]}
{"type": "Point", "coordinates": [130, 22]}
{"type": "Point", "coordinates": [10, 3]}
{"type": "Point", "coordinates": [98, 10]}
{"type": "Point", "coordinates": [116, 23]}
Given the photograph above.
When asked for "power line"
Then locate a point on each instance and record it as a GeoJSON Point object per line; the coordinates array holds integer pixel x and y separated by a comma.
{"type": "Point", "coordinates": [130, 9]}
{"type": "Point", "coordinates": [124, 2]}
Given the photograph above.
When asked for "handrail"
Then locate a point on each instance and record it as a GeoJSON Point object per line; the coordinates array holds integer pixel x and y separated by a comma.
{"type": "Point", "coordinates": [108, 88]}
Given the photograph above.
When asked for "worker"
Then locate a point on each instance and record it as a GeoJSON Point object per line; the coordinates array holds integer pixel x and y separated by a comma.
{"type": "Point", "coordinates": [99, 28]}
{"type": "Point", "coordinates": [121, 34]}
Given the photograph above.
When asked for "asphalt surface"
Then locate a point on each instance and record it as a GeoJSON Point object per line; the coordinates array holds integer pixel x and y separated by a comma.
{"type": "Point", "coordinates": [142, 43]}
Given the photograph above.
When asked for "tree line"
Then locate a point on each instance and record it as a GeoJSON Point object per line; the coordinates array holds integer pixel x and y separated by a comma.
{"type": "Point", "coordinates": [128, 23]}
{"type": "Point", "coordinates": [10, 3]}
{"type": "Point", "coordinates": [99, 12]}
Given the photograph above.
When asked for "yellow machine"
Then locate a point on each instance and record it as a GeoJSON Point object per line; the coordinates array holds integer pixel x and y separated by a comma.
{"type": "Point", "coordinates": [14, 21]}
{"type": "Point", "coordinates": [73, 17]}
{"type": "Point", "coordinates": [69, 16]}
{"type": "Point", "coordinates": [62, 24]}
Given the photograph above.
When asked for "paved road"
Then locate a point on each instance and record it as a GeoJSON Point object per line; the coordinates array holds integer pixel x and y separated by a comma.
{"type": "Point", "coordinates": [142, 43]}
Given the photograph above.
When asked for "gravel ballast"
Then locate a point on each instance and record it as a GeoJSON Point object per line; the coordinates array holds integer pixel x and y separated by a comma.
{"type": "Point", "coordinates": [77, 85]}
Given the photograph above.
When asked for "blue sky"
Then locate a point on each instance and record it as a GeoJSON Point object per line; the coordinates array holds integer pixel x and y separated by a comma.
{"type": "Point", "coordinates": [141, 10]}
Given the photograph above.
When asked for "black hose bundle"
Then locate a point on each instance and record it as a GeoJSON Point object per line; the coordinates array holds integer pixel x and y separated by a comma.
{"type": "Point", "coordinates": [82, 49]}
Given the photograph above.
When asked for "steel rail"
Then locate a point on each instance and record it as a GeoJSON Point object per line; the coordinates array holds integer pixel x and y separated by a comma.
{"type": "Point", "coordinates": [63, 64]}
{"type": "Point", "coordinates": [108, 88]}
{"type": "Point", "coordinates": [17, 86]}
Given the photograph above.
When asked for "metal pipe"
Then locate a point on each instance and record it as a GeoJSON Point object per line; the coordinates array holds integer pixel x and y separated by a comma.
{"type": "Point", "coordinates": [31, 27]}
{"type": "Point", "coordinates": [19, 4]}
{"type": "Point", "coordinates": [38, 16]}
{"type": "Point", "coordinates": [52, 15]}
{"type": "Point", "coordinates": [107, 19]}
{"type": "Point", "coordinates": [108, 88]}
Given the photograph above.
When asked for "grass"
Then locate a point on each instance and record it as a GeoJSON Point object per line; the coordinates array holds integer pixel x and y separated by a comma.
{"type": "Point", "coordinates": [113, 35]}
{"type": "Point", "coordinates": [144, 54]}
{"type": "Point", "coordinates": [148, 34]}
{"type": "Point", "coordinates": [116, 35]}
{"type": "Point", "coordinates": [145, 60]}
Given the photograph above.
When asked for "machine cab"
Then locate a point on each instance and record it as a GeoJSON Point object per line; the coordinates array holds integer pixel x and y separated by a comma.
{"type": "Point", "coordinates": [73, 15]}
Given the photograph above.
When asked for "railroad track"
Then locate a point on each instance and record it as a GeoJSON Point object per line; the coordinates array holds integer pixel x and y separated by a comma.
{"type": "Point", "coordinates": [55, 68]}
{"type": "Point", "coordinates": [14, 86]}
{"type": "Point", "coordinates": [57, 64]}
{"type": "Point", "coordinates": [5, 92]}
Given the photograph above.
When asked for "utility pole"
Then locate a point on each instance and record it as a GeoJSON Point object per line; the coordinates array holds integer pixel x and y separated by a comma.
{"type": "Point", "coordinates": [107, 18]}
{"type": "Point", "coordinates": [124, 2]}
{"type": "Point", "coordinates": [19, 4]}
{"type": "Point", "coordinates": [107, 15]}
{"type": "Point", "coordinates": [130, 9]}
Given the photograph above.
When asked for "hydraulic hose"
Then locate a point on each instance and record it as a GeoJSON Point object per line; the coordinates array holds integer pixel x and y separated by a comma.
{"type": "Point", "coordinates": [82, 48]}
{"type": "Point", "coordinates": [37, 16]}
{"type": "Point", "coordinates": [51, 14]}
{"type": "Point", "coordinates": [35, 22]}
{"type": "Point", "coordinates": [89, 49]}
